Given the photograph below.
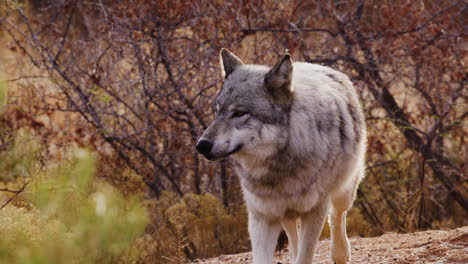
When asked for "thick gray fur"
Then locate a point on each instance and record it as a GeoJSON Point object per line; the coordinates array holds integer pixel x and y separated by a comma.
{"type": "Point", "coordinates": [297, 137]}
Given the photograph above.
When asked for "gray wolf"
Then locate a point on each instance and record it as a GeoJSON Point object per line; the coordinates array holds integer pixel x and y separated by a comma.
{"type": "Point", "coordinates": [297, 137]}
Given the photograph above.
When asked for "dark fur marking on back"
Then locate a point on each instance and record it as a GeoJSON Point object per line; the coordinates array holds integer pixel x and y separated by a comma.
{"type": "Point", "coordinates": [342, 124]}
{"type": "Point", "coordinates": [334, 78]}
{"type": "Point", "coordinates": [357, 122]}
{"type": "Point", "coordinates": [326, 123]}
{"type": "Point", "coordinates": [342, 87]}
{"type": "Point", "coordinates": [319, 126]}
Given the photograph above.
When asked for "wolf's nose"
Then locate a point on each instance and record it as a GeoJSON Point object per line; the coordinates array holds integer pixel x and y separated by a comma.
{"type": "Point", "coordinates": [204, 146]}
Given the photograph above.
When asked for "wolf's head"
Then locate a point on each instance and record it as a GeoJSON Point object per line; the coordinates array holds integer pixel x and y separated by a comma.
{"type": "Point", "coordinates": [251, 109]}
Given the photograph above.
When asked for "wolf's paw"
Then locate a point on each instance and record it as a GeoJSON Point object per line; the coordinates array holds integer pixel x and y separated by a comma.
{"type": "Point", "coordinates": [343, 259]}
{"type": "Point", "coordinates": [340, 252]}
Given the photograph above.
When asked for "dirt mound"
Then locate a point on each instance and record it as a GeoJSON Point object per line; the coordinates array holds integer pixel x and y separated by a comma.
{"type": "Point", "coordinates": [429, 247]}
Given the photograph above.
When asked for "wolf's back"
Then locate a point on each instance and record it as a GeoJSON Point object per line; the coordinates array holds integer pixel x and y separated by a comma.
{"type": "Point", "coordinates": [327, 122]}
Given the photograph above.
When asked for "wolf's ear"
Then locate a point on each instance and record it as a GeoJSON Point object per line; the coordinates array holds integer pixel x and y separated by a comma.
{"type": "Point", "coordinates": [278, 80]}
{"type": "Point", "coordinates": [229, 62]}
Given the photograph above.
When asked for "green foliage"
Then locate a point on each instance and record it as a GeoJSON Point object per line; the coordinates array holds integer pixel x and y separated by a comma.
{"type": "Point", "coordinates": [20, 160]}
{"type": "Point", "coordinates": [15, 3]}
{"type": "Point", "coordinates": [66, 216]}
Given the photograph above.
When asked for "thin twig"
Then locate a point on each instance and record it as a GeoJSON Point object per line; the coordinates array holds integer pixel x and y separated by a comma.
{"type": "Point", "coordinates": [16, 193]}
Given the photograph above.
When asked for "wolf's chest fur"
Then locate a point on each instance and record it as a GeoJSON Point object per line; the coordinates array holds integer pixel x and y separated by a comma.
{"type": "Point", "coordinates": [282, 185]}
{"type": "Point", "coordinates": [277, 176]}
{"type": "Point", "coordinates": [279, 193]}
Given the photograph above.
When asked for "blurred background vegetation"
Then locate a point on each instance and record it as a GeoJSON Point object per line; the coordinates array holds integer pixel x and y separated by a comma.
{"type": "Point", "coordinates": [101, 103]}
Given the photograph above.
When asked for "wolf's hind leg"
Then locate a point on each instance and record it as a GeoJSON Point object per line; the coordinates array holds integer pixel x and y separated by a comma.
{"type": "Point", "coordinates": [290, 226]}
{"type": "Point", "coordinates": [341, 203]}
{"type": "Point", "coordinates": [263, 235]}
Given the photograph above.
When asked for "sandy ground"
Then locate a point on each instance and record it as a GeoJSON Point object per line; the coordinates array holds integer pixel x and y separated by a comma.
{"type": "Point", "coordinates": [429, 247]}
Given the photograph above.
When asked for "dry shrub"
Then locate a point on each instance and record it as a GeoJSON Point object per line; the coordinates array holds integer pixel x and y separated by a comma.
{"type": "Point", "coordinates": [195, 226]}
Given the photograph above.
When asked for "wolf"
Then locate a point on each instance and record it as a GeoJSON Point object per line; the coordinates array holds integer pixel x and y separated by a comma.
{"type": "Point", "coordinates": [297, 137]}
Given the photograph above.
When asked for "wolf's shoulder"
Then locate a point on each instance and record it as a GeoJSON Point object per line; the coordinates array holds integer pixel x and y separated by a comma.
{"type": "Point", "coordinates": [321, 82]}
{"type": "Point", "coordinates": [310, 70]}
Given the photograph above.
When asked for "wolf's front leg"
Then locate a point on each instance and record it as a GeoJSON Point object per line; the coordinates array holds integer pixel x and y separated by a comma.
{"type": "Point", "coordinates": [309, 233]}
{"type": "Point", "coordinates": [290, 226]}
{"type": "Point", "coordinates": [263, 235]}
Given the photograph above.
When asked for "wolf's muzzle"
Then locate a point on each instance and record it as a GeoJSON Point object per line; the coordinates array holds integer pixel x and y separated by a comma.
{"type": "Point", "coordinates": [204, 147]}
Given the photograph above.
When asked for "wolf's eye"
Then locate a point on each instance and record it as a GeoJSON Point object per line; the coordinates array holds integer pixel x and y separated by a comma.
{"type": "Point", "coordinates": [238, 114]}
